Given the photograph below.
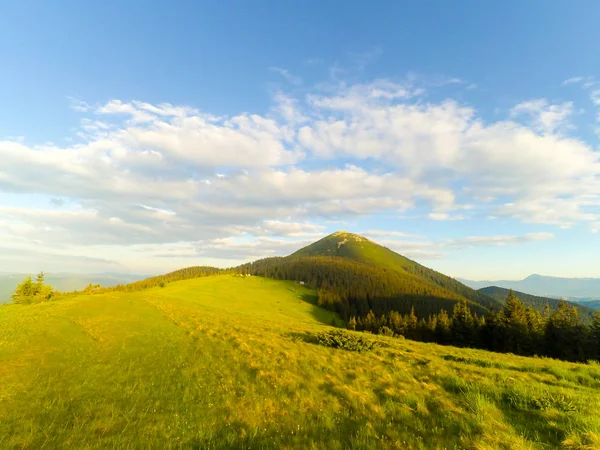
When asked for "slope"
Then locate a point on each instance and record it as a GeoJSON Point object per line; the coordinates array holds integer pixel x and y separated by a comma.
{"type": "Point", "coordinates": [354, 275]}
{"type": "Point", "coordinates": [64, 282]}
{"type": "Point", "coordinates": [229, 362]}
{"type": "Point", "coordinates": [591, 304]}
{"type": "Point", "coordinates": [361, 249]}
{"type": "Point", "coordinates": [538, 303]}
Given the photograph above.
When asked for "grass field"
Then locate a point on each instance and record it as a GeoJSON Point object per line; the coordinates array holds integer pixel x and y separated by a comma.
{"type": "Point", "coordinates": [229, 362]}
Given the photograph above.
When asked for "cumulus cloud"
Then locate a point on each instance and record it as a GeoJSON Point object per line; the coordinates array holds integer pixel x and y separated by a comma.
{"type": "Point", "coordinates": [545, 118]}
{"type": "Point", "coordinates": [499, 241]}
{"type": "Point", "coordinates": [155, 174]}
{"type": "Point", "coordinates": [387, 234]}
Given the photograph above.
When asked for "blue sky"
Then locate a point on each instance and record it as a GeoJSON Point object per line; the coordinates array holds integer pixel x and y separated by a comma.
{"type": "Point", "coordinates": [141, 137]}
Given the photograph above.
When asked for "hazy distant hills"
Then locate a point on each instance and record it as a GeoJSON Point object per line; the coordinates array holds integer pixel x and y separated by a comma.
{"type": "Point", "coordinates": [586, 313]}
{"type": "Point", "coordinates": [65, 282]}
{"type": "Point", "coordinates": [572, 288]}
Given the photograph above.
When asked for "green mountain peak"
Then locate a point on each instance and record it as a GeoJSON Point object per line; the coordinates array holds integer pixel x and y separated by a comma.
{"type": "Point", "coordinates": [372, 256]}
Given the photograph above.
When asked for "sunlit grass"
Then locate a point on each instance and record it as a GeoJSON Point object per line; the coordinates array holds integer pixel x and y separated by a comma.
{"type": "Point", "coordinates": [226, 362]}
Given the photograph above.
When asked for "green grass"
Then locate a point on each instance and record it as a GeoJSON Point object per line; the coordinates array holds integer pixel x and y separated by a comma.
{"type": "Point", "coordinates": [229, 362]}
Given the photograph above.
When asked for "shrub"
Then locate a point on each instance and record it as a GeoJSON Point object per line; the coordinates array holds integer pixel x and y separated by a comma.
{"type": "Point", "coordinates": [385, 331]}
{"type": "Point", "coordinates": [344, 340]}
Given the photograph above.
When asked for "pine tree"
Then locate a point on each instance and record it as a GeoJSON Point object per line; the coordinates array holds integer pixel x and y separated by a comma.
{"type": "Point", "coordinates": [411, 324]}
{"type": "Point", "coordinates": [462, 326]}
{"type": "Point", "coordinates": [595, 337]}
{"type": "Point", "coordinates": [370, 322]}
{"type": "Point", "coordinates": [442, 328]}
{"type": "Point", "coordinates": [516, 325]}
{"type": "Point", "coordinates": [24, 293]}
{"type": "Point", "coordinates": [352, 323]}
{"type": "Point", "coordinates": [29, 292]}
{"type": "Point", "coordinates": [562, 333]}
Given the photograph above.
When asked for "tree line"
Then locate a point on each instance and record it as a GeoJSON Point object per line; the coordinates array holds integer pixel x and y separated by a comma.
{"type": "Point", "coordinates": [158, 281]}
{"type": "Point", "coordinates": [515, 328]}
{"type": "Point", "coordinates": [30, 291]}
{"type": "Point", "coordinates": [379, 300]}
{"type": "Point", "coordinates": [353, 288]}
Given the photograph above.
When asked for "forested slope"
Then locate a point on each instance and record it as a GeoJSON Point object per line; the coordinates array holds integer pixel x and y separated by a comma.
{"type": "Point", "coordinates": [354, 275]}
{"type": "Point", "coordinates": [538, 303]}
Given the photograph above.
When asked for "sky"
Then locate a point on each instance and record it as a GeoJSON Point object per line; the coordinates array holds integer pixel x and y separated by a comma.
{"type": "Point", "coordinates": [144, 137]}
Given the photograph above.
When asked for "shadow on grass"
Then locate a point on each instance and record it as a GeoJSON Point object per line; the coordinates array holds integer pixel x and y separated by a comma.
{"type": "Point", "coordinates": [321, 315]}
{"type": "Point", "coordinates": [532, 425]}
{"type": "Point", "coordinates": [309, 338]}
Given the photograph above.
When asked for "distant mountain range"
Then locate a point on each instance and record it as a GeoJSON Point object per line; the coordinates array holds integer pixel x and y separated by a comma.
{"type": "Point", "coordinates": [586, 312]}
{"type": "Point", "coordinates": [65, 282]}
{"type": "Point", "coordinates": [576, 289]}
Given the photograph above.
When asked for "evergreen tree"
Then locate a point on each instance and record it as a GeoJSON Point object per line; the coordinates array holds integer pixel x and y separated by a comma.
{"type": "Point", "coordinates": [515, 318]}
{"type": "Point", "coordinates": [24, 293]}
{"type": "Point", "coordinates": [562, 333]}
{"type": "Point", "coordinates": [411, 325]}
{"type": "Point", "coordinates": [29, 292]}
{"type": "Point", "coordinates": [595, 338]}
{"type": "Point", "coordinates": [442, 328]}
{"type": "Point", "coordinates": [352, 323]}
{"type": "Point", "coordinates": [462, 326]}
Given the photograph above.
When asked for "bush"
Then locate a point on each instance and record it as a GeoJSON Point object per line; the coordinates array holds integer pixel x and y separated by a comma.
{"type": "Point", "coordinates": [385, 331]}
{"type": "Point", "coordinates": [344, 340]}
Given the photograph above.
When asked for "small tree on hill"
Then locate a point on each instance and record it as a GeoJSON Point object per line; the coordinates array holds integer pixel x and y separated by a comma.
{"type": "Point", "coordinates": [29, 292]}
{"type": "Point", "coordinates": [24, 292]}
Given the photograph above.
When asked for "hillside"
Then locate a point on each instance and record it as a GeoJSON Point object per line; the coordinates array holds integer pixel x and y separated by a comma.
{"type": "Point", "coordinates": [361, 249]}
{"type": "Point", "coordinates": [545, 286]}
{"type": "Point", "coordinates": [591, 304]}
{"type": "Point", "coordinates": [230, 362]}
{"type": "Point", "coordinates": [65, 282]}
{"type": "Point", "coordinates": [586, 314]}
{"type": "Point", "coordinates": [355, 275]}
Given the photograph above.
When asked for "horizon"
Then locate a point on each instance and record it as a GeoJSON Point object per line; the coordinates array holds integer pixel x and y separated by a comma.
{"type": "Point", "coordinates": [331, 234]}
{"type": "Point", "coordinates": [246, 131]}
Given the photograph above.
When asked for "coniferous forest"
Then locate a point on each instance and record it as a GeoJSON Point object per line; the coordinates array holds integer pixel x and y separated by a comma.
{"type": "Point", "coordinates": [379, 295]}
{"type": "Point", "coordinates": [514, 328]}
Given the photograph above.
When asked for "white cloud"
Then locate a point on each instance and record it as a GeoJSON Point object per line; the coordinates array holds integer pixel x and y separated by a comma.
{"type": "Point", "coordinates": [387, 234]}
{"type": "Point", "coordinates": [145, 174]}
{"type": "Point", "coordinates": [499, 241]}
{"type": "Point", "coordinates": [293, 79]}
{"type": "Point", "coordinates": [444, 216]}
{"type": "Point", "coordinates": [78, 105]}
{"type": "Point", "coordinates": [545, 118]}
{"type": "Point", "coordinates": [573, 80]}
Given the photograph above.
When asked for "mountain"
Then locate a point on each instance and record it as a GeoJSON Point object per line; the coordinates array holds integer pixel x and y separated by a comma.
{"type": "Point", "coordinates": [354, 275]}
{"type": "Point", "coordinates": [592, 304]}
{"type": "Point", "coordinates": [586, 314]}
{"type": "Point", "coordinates": [65, 282]}
{"type": "Point", "coordinates": [546, 286]}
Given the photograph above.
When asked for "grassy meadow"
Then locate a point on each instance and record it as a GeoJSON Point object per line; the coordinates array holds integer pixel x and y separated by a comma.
{"type": "Point", "coordinates": [230, 362]}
